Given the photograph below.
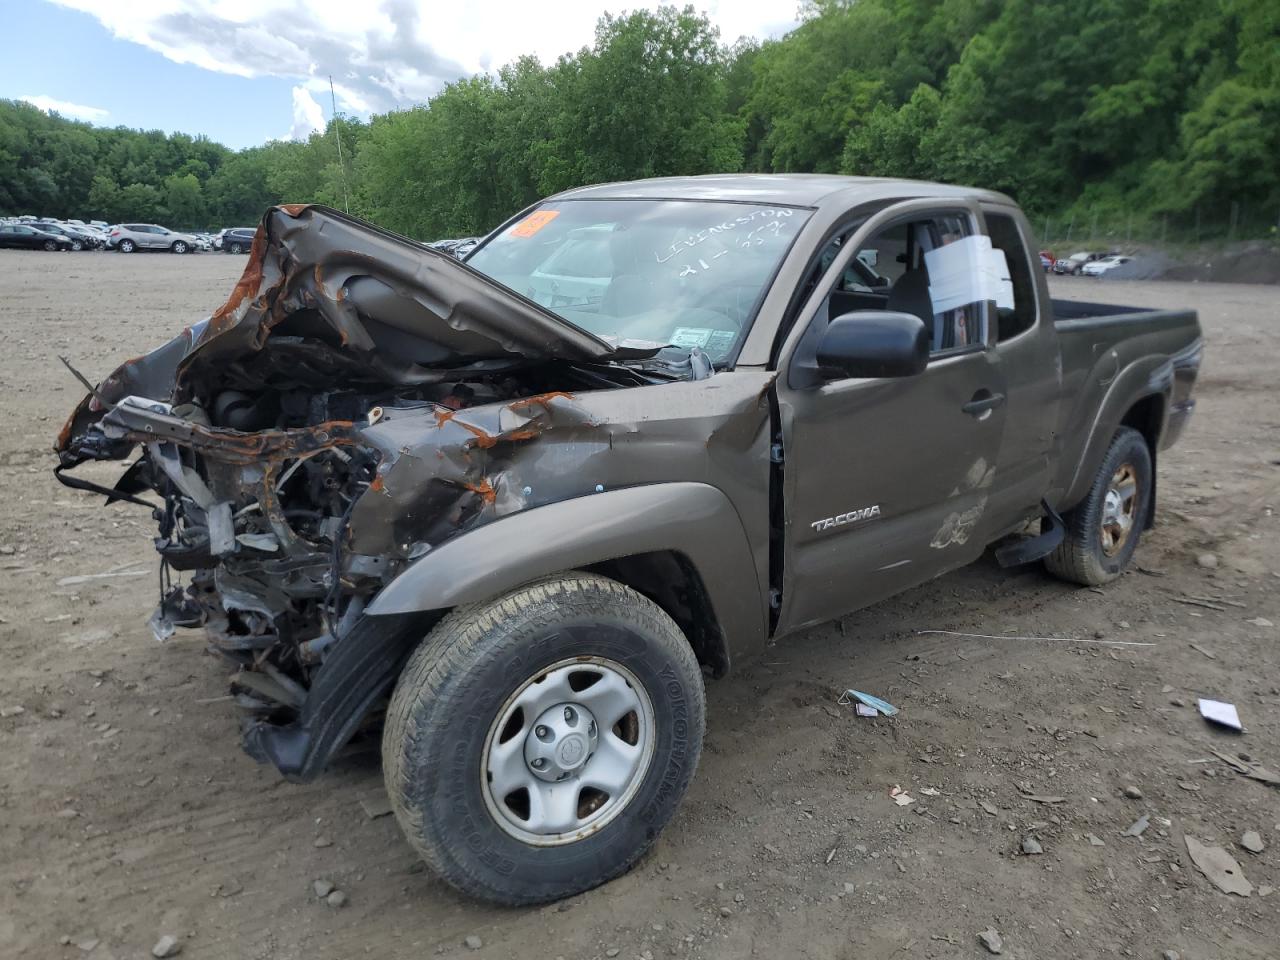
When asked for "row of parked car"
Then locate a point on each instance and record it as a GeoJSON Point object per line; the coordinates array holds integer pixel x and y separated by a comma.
{"type": "Point", "coordinates": [36, 233]}
{"type": "Point", "coordinates": [1086, 263]}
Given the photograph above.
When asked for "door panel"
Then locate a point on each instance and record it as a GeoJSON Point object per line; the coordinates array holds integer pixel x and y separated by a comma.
{"type": "Point", "coordinates": [901, 472]}
{"type": "Point", "coordinates": [886, 482]}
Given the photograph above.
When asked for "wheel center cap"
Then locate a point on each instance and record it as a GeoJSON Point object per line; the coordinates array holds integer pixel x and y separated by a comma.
{"type": "Point", "coordinates": [571, 751]}
{"type": "Point", "coordinates": [561, 743]}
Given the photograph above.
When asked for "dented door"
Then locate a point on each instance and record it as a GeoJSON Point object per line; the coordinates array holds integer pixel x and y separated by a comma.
{"type": "Point", "coordinates": [886, 481]}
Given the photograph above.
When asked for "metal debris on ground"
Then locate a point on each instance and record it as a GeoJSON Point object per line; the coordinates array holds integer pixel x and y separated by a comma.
{"type": "Point", "coordinates": [1224, 714]}
{"type": "Point", "coordinates": [1199, 649]}
{"type": "Point", "coordinates": [1250, 768]}
{"type": "Point", "coordinates": [866, 705]}
{"type": "Point", "coordinates": [91, 577]}
{"type": "Point", "coordinates": [1040, 797]}
{"type": "Point", "coordinates": [1219, 867]}
{"type": "Point", "coordinates": [986, 636]}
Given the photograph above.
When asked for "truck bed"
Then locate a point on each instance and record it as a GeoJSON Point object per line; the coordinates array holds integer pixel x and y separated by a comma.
{"type": "Point", "coordinates": [1081, 310]}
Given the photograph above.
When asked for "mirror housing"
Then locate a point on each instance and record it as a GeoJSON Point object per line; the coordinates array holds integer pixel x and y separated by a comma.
{"type": "Point", "coordinates": [873, 343]}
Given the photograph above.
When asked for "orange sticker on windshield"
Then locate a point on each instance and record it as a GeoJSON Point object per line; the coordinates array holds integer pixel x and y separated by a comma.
{"type": "Point", "coordinates": [533, 223]}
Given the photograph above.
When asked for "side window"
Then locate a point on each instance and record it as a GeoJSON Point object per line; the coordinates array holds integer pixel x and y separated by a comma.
{"type": "Point", "coordinates": [907, 268]}
{"type": "Point", "coordinates": [1005, 237]}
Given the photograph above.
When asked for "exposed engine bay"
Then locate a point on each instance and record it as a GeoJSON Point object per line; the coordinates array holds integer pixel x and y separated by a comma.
{"type": "Point", "coordinates": [358, 400]}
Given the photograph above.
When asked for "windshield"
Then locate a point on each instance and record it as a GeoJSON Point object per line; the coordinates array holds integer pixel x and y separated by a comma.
{"type": "Point", "coordinates": [688, 273]}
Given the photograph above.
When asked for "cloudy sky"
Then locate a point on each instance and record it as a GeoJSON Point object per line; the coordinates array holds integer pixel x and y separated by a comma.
{"type": "Point", "coordinates": [247, 71]}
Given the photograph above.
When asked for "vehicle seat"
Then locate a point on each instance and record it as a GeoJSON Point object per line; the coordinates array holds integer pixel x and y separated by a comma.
{"type": "Point", "coordinates": [910, 294]}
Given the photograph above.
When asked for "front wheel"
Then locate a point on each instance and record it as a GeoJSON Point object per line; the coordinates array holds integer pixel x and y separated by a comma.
{"type": "Point", "coordinates": [179, 247]}
{"type": "Point", "coordinates": [126, 246]}
{"type": "Point", "coordinates": [1104, 528]}
{"type": "Point", "coordinates": [535, 746]}
{"type": "Point", "coordinates": [50, 245]}
{"type": "Point", "coordinates": [236, 248]}
{"type": "Point", "coordinates": [77, 245]}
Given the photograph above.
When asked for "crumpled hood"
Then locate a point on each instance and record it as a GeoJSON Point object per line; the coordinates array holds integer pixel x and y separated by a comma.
{"type": "Point", "coordinates": [371, 305]}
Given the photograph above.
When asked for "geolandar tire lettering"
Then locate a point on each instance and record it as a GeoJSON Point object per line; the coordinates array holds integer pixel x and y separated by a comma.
{"type": "Point", "coordinates": [536, 745]}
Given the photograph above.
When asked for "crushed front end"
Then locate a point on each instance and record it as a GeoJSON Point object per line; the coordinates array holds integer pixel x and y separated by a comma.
{"type": "Point", "coordinates": [357, 401]}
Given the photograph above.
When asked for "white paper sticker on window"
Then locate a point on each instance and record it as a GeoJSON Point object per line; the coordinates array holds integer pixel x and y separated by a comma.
{"type": "Point", "coordinates": [968, 271]}
{"type": "Point", "coordinates": [690, 337]}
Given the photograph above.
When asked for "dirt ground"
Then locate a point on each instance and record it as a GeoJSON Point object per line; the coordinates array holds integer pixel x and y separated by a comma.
{"type": "Point", "coordinates": [127, 810]}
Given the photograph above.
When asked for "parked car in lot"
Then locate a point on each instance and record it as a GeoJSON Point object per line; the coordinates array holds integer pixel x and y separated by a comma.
{"type": "Point", "coordinates": [1098, 267]}
{"type": "Point", "coordinates": [81, 238]}
{"type": "Point", "coordinates": [238, 239]}
{"type": "Point", "coordinates": [128, 237]}
{"type": "Point", "coordinates": [1074, 264]}
{"type": "Point", "coordinates": [24, 237]}
{"type": "Point", "coordinates": [538, 527]}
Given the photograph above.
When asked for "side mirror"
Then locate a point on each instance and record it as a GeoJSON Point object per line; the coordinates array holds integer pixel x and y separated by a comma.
{"type": "Point", "coordinates": [873, 343]}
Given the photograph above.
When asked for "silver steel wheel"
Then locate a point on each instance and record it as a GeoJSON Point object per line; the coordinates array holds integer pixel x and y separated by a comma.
{"type": "Point", "coordinates": [1119, 508]}
{"type": "Point", "coordinates": [567, 751]}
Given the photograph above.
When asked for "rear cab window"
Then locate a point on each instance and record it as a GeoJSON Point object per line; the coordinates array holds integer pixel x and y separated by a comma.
{"type": "Point", "coordinates": [1006, 238]}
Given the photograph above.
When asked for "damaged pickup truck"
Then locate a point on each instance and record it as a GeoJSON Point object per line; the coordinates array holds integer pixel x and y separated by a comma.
{"type": "Point", "coordinates": [644, 430]}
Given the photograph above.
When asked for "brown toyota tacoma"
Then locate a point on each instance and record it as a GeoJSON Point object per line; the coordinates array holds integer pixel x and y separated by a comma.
{"type": "Point", "coordinates": [513, 510]}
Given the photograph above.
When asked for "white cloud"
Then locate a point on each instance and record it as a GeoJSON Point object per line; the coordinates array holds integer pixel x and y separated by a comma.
{"type": "Point", "coordinates": [66, 108]}
{"type": "Point", "coordinates": [307, 115]}
{"type": "Point", "coordinates": [399, 53]}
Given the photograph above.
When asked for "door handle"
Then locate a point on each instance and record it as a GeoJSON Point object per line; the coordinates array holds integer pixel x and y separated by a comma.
{"type": "Point", "coordinates": [983, 402]}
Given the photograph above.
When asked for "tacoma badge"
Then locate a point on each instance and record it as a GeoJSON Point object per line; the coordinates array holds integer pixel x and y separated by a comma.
{"type": "Point", "coordinates": [866, 513]}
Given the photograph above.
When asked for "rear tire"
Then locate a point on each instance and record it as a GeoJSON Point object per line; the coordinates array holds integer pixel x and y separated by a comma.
{"type": "Point", "coordinates": [468, 721]}
{"type": "Point", "coordinates": [1103, 529]}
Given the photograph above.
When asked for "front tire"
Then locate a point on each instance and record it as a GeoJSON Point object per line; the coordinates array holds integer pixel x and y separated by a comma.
{"type": "Point", "coordinates": [179, 247]}
{"type": "Point", "coordinates": [126, 246]}
{"type": "Point", "coordinates": [535, 746]}
{"type": "Point", "coordinates": [50, 246]}
{"type": "Point", "coordinates": [77, 245]}
{"type": "Point", "coordinates": [1104, 529]}
{"type": "Point", "coordinates": [236, 248]}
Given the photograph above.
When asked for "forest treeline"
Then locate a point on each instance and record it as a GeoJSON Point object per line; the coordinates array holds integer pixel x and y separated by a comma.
{"type": "Point", "coordinates": [1170, 108]}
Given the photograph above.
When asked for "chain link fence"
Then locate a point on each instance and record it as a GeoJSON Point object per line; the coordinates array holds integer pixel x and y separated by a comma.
{"type": "Point", "coordinates": [1115, 229]}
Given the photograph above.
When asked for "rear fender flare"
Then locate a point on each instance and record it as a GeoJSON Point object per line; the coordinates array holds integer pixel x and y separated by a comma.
{"type": "Point", "coordinates": [693, 519]}
{"type": "Point", "coordinates": [1136, 383]}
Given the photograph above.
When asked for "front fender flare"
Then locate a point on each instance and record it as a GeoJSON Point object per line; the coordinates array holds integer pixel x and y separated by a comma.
{"type": "Point", "coordinates": [693, 519]}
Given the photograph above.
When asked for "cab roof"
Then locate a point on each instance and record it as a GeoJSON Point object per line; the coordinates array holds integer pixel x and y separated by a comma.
{"type": "Point", "coordinates": [783, 189]}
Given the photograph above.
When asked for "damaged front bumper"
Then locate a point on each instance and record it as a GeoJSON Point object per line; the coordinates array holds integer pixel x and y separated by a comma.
{"type": "Point", "coordinates": [356, 401]}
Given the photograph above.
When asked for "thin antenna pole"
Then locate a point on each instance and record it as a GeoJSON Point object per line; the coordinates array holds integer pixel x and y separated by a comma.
{"type": "Point", "coordinates": [342, 167]}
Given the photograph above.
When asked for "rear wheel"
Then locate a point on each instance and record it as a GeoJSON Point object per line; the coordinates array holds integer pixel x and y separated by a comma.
{"type": "Point", "coordinates": [535, 746]}
{"type": "Point", "coordinates": [1104, 529]}
{"type": "Point", "coordinates": [126, 246]}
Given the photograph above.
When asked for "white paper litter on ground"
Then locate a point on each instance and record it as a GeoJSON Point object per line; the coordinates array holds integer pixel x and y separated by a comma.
{"type": "Point", "coordinates": [1219, 712]}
